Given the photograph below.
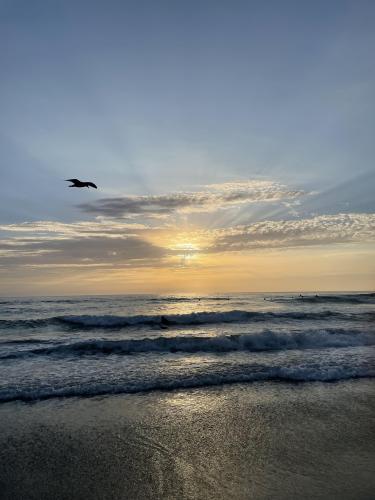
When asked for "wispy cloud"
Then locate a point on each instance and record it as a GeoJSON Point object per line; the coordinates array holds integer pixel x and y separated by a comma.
{"type": "Point", "coordinates": [85, 254]}
{"type": "Point", "coordinates": [82, 229]}
{"type": "Point", "coordinates": [79, 243]}
{"type": "Point", "coordinates": [213, 197]}
{"type": "Point", "coordinates": [320, 230]}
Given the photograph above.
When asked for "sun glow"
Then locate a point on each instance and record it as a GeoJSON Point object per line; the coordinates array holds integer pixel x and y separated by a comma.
{"type": "Point", "coordinates": [185, 253]}
{"type": "Point", "coordinates": [188, 248]}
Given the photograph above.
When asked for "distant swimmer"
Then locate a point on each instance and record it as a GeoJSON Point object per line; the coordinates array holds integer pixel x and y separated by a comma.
{"type": "Point", "coordinates": [164, 322]}
{"type": "Point", "coordinates": [81, 184]}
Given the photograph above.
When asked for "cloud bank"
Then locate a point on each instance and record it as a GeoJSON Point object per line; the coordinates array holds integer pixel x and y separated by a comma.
{"type": "Point", "coordinates": [118, 238]}
{"type": "Point", "coordinates": [117, 244]}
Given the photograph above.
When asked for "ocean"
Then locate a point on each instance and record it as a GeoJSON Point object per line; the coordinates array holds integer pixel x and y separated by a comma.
{"type": "Point", "coordinates": [63, 347]}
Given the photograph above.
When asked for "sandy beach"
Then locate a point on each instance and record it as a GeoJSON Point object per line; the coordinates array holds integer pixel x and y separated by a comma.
{"type": "Point", "coordinates": [266, 440]}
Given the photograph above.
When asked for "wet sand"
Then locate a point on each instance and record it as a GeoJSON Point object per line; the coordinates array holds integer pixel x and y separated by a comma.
{"type": "Point", "coordinates": [255, 441]}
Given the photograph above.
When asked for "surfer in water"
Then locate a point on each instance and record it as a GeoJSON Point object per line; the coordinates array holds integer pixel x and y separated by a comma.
{"type": "Point", "coordinates": [164, 322]}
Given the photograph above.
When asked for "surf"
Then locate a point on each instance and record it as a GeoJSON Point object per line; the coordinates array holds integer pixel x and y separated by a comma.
{"type": "Point", "coordinates": [188, 319]}
{"type": "Point", "coordinates": [267, 340]}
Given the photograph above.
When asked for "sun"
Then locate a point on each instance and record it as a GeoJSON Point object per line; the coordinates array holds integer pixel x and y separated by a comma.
{"type": "Point", "coordinates": [187, 247]}
{"type": "Point", "coordinates": [185, 252]}
{"type": "Point", "coordinates": [182, 249]}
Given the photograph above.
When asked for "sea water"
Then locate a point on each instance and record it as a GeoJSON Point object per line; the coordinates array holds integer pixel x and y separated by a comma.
{"type": "Point", "coordinates": [98, 345]}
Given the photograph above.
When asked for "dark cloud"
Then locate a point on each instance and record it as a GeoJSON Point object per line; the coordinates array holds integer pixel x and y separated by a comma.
{"type": "Point", "coordinates": [150, 206]}
{"type": "Point", "coordinates": [79, 251]}
{"type": "Point", "coordinates": [214, 197]}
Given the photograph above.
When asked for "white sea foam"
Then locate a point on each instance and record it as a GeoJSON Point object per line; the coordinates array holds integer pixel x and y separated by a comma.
{"type": "Point", "coordinates": [203, 317]}
{"type": "Point", "coordinates": [267, 340]}
{"type": "Point", "coordinates": [195, 318]}
{"type": "Point", "coordinates": [297, 373]}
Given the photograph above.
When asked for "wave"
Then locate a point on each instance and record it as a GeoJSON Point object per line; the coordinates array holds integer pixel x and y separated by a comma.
{"type": "Point", "coordinates": [298, 373]}
{"type": "Point", "coordinates": [27, 323]}
{"type": "Point", "coordinates": [199, 318]}
{"type": "Point", "coordinates": [32, 340]}
{"type": "Point", "coordinates": [32, 301]}
{"type": "Point", "coordinates": [360, 298]}
{"type": "Point", "coordinates": [265, 341]}
{"type": "Point", "coordinates": [188, 299]}
{"type": "Point", "coordinates": [80, 300]}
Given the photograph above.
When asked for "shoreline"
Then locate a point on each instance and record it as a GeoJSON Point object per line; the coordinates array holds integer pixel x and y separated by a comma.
{"type": "Point", "coordinates": [260, 440]}
{"type": "Point", "coordinates": [30, 400]}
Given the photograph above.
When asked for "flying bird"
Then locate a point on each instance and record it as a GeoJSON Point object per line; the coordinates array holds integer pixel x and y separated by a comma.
{"type": "Point", "coordinates": [80, 184]}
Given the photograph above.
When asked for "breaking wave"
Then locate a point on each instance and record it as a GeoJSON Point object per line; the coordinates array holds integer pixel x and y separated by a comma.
{"type": "Point", "coordinates": [199, 318]}
{"type": "Point", "coordinates": [298, 373]}
{"type": "Point", "coordinates": [265, 341]}
{"type": "Point", "coordinates": [358, 298]}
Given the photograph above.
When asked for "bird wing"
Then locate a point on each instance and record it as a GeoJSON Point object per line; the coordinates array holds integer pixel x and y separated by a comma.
{"type": "Point", "coordinates": [72, 180]}
{"type": "Point", "coordinates": [92, 185]}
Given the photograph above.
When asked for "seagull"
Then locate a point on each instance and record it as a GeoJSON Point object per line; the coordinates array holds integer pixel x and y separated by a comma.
{"type": "Point", "coordinates": [80, 184]}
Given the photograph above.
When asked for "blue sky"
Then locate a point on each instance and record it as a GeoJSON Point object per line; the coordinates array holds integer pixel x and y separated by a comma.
{"type": "Point", "coordinates": [155, 97]}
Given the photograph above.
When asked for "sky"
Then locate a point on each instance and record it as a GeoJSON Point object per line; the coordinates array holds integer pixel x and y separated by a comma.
{"type": "Point", "coordinates": [231, 141]}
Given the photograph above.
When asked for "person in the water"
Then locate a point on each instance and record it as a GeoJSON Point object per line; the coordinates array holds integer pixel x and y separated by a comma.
{"type": "Point", "coordinates": [164, 322]}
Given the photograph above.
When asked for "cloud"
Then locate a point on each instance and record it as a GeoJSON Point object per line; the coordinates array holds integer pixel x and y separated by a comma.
{"type": "Point", "coordinates": [60, 230]}
{"type": "Point", "coordinates": [213, 197]}
{"type": "Point", "coordinates": [320, 230]}
{"type": "Point", "coordinates": [84, 243]}
{"type": "Point", "coordinates": [117, 244]}
{"type": "Point", "coordinates": [83, 251]}
{"type": "Point", "coordinates": [116, 239]}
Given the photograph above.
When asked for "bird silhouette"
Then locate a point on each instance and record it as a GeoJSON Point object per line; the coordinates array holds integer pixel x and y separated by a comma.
{"type": "Point", "coordinates": [80, 184]}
